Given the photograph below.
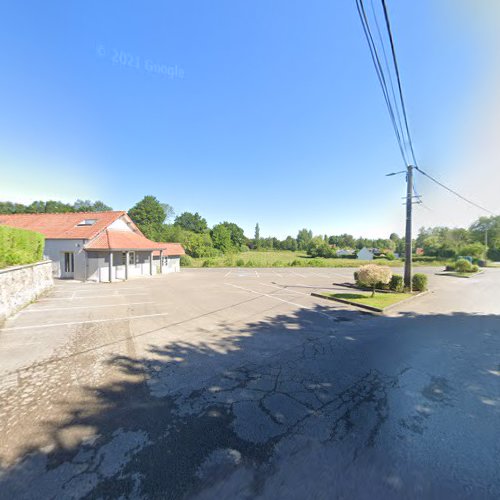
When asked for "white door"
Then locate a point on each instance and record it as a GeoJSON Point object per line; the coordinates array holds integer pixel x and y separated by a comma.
{"type": "Point", "coordinates": [68, 265]}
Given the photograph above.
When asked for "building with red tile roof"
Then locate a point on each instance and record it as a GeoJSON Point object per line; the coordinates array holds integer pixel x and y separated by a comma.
{"type": "Point", "coordinates": [98, 246]}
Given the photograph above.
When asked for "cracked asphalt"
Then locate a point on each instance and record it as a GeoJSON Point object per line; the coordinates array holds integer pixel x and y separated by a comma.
{"type": "Point", "coordinates": [219, 383]}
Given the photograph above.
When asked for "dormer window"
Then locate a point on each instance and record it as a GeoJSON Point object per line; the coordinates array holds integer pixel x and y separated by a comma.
{"type": "Point", "coordinates": [87, 222]}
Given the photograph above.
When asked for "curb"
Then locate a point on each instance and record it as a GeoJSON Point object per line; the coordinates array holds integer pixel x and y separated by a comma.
{"type": "Point", "coordinates": [370, 309]}
{"type": "Point", "coordinates": [451, 275]}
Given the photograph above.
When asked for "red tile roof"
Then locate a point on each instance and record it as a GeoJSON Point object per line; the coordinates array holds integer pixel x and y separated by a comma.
{"type": "Point", "coordinates": [171, 249]}
{"type": "Point", "coordinates": [128, 240]}
{"type": "Point", "coordinates": [62, 226]}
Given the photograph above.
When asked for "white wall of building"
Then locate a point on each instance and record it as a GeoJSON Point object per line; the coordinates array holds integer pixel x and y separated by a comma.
{"type": "Point", "coordinates": [54, 250]}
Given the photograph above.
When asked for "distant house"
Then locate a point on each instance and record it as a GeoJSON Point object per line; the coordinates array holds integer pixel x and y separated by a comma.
{"type": "Point", "coordinates": [368, 253]}
{"type": "Point", "coordinates": [98, 246]}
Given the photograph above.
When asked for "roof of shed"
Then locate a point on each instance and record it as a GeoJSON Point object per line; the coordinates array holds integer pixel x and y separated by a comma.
{"type": "Point", "coordinates": [125, 240]}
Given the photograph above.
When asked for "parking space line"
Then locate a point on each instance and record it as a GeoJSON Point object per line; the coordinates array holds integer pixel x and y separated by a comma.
{"type": "Point", "coordinates": [41, 309]}
{"type": "Point", "coordinates": [284, 289]}
{"type": "Point", "coordinates": [283, 300]}
{"type": "Point", "coordinates": [93, 297]}
{"type": "Point", "coordinates": [69, 323]}
{"type": "Point", "coordinates": [228, 273]}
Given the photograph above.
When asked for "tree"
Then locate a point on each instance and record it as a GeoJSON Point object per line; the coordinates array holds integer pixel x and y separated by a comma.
{"type": "Point", "coordinates": [372, 274]}
{"type": "Point", "coordinates": [169, 211]}
{"type": "Point", "coordinates": [198, 244]}
{"type": "Point", "coordinates": [237, 234]}
{"type": "Point", "coordinates": [304, 237]}
{"type": "Point", "coordinates": [89, 206]}
{"type": "Point", "coordinates": [191, 222]}
{"type": "Point", "coordinates": [257, 235]}
{"type": "Point", "coordinates": [221, 238]}
{"type": "Point", "coordinates": [100, 206]}
{"type": "Point", "coordinates": [149, 215]}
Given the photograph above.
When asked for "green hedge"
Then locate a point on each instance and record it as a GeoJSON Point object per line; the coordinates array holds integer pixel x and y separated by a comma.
{"type": "Point", "coordinates": [19, 246]}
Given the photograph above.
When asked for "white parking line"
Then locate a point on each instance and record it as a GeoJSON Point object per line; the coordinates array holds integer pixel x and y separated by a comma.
{"type": "Point", "coordinates": [228, 273]}
{"type": "Point", "coordinates": [94, 297]}
{"type": "Point", "coordinates": [284, 289]}
{"type": "Point", "coordinates": [66, 290]}
{"type": "Point", "coordinates": [69, 323]}
{"type": "Point", "coordinates": [283, 300]}
{"type": "Point", "coordinates": [41, 309]}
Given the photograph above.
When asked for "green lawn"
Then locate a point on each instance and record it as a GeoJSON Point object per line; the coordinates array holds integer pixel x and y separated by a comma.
{"type": "Point", "coordinates": [381, 300]}
{"type": "Point", "coordinates": [285, 258]}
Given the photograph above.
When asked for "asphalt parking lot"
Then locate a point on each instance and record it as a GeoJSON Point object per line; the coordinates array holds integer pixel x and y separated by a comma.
{"type": "Point", "coordinates": [236, 383]}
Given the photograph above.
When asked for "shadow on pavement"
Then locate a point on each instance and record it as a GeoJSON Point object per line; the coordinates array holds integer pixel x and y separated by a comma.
{"type": "Point", "coordinates": [311, 404]}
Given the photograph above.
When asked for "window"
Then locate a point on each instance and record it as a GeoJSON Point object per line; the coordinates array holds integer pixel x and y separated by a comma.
{"type": "Point", "coordinates": [87, 222]}
{"type": "Point", "coordinates": [69, 262]}
{"type": "Point", "coordinates": [124, 258]}
{"type": "Point", "coordinates": [131, 258]}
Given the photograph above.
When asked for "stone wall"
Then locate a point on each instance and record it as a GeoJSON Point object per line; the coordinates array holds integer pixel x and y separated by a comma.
{"type": "Point", "coordinates": [22, 284]}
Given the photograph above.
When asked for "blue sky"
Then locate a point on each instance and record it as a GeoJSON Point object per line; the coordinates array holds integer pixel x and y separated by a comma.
{"type": "Point", "coordinates": [263, 111]}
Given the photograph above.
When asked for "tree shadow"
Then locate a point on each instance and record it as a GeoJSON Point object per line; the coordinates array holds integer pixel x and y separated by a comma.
{"type": "Point", "coordinates": [318, 398]}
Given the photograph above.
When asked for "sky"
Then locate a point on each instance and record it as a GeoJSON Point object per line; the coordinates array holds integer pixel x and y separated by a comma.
{"type": "Point", "coordinates": [263, 111]}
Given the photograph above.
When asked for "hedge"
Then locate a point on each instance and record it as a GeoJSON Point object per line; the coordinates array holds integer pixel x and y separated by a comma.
{"type": "Point", "coordinates": [20, 246]}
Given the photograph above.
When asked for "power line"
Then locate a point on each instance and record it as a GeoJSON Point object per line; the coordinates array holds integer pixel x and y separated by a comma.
{"type": "Point", "coordinates": [396, 67]}
{"type": "Point", "coordinates": [453, 191]}
{"type": "Point", "coordinates": [381, 76]}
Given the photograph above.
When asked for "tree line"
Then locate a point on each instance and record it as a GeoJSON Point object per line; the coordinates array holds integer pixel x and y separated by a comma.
{"type": "Point", "coordinates": [159, 222]}
{"type": "Point", "coordinates": [52, 207]}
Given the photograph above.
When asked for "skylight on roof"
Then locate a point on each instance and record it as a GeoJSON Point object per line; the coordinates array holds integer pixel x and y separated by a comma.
{"type": "Point", "coordinates": [87, 222]}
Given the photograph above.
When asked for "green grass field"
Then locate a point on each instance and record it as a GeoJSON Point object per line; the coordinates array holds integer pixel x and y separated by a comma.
{"type": "Point", "coordinates": [381, 300]}
{"type": "Point", "coordinates": [285, 258]}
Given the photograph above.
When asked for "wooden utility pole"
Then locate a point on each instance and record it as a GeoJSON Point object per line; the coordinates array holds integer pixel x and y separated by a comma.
{"type": "Point", "coordinates": [409, 204]}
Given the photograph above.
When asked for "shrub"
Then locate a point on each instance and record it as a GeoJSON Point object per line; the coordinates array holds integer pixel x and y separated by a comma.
{"type": "Point", "coordinates": [482, 263]}
{"type": "Point", "coordinates": [240, 262]}
{"type": "Point", "coordinates": [356, 277]}
{"type": "Point", "coordinates": [208, 263]}
{"type": "Point", "coordinates": [278, 263]}
{"type": "Point", "coordinates": [396, 284]}
{"type": "Point", "coordinates": [463, 266]}
{"type": "Point", "coordinates": [295, 263]}
{"type": "Point", "coordinates": [419, 282]}
{"type": "Point", "coordinates": [390, 256]}
{"type": "Point", "coordinates": [250, 263]}
{"type": "Point", "coordinates": [373, 275]}
{"type": "Point", "coordinates": [186, 261]}
{"type": "Point", "coordinates": [19, 246]}
{"type": "Point", "coordinates": [228, 261]}
{"type": "Point", "coordinates": [450, 267]}
{"type": "Point", "coordinates": [475, 268]}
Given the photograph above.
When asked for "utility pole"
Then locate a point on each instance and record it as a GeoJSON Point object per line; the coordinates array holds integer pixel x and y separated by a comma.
{"type": "Point", "coordinates": [409, 204]}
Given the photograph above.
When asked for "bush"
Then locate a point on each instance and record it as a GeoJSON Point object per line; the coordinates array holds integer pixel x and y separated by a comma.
{"type": "Point", "coordinates": [250, 263]}
{"type": "Point", "coordinates": [475, 268]}
{"type": "Point", "coordinates": [356, 277]}
{"type": "Point", "coordinates": [463, 266]}
{"type": "Point", "coordinates": [19, 246]}
{"type": "Point", "coordinates": [374, 275]}
{"type": "Point", "coordinates": [419, 282]}
{"type": "Point", "coordinates": [296, 263]}
{"type": "Point", "coordinates": [482, 263]}
{"type": "Point", "coordinates": [450, 267]}
{"type": "Point", "coordinates": [186, 261]}
{"type": "Point", "coordinates": [208, 263]}
{"type": "Point", "coordinates": [396, 284]}
{"type": "Point", "coordinates": [240, 262]}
